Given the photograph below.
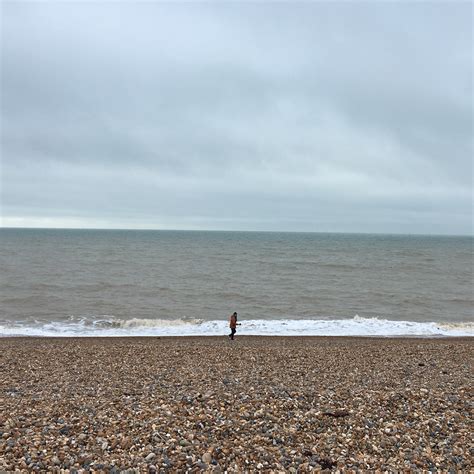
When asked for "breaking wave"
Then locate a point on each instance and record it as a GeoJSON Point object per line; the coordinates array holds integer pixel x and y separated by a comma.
{"type": "Point", "coordinates": [356, 326]}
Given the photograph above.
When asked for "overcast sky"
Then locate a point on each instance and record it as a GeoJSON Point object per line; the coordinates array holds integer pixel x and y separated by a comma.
{"type": "Point", "coordinates": [352, 117]}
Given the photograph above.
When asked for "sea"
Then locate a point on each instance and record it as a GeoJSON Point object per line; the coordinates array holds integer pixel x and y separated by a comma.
{"type": "Point", "coordinates": [65, 282]}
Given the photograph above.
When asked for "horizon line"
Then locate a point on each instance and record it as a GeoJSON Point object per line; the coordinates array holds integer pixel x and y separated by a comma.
{"type": "Point", "coordinates": [237, 231]}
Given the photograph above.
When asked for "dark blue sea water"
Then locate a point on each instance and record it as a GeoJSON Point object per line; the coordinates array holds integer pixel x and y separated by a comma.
{"type": "Point", "coordinates": [112, 282]}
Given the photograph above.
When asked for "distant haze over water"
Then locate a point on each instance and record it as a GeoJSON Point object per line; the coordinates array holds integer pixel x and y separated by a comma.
{"type": "Point", "coordinates": [111, 282]}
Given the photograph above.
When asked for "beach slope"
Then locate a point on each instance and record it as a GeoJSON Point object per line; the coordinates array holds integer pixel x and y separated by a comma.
{"type": "Point", "coordinates": [255, 404]}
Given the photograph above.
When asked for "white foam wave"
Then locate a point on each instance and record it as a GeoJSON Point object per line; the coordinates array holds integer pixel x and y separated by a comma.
{"type": "Point", "coordinates": [158, 323]}
{"type": "Point", "coordinates": [357, 326]}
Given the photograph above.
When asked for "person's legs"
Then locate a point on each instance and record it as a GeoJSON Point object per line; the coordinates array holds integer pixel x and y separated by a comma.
{"type": "Point", "coordinates": [232, 332]}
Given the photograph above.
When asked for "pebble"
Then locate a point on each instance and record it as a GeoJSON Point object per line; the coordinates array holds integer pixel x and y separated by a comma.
{"type": "Point", "coordinates": [265, 404]}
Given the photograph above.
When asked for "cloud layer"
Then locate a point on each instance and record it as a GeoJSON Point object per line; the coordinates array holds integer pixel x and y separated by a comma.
{"type": "Point", "coordinates": [306, 117]}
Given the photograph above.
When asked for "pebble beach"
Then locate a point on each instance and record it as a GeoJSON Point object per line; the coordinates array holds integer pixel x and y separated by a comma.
{"type": "Point", "coordinates": [256, 404]}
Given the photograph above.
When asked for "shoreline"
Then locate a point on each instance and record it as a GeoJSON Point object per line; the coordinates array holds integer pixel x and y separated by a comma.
{"type": "Point", "coordinates": [241, 336]}
{"type": "Point", "coordinates": [138, 327]}
{"type": "Point", "coordinates": [257, 404]}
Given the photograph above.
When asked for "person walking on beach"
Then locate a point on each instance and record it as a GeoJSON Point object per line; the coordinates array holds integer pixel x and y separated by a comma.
{"type": "Point", "coordinates": [232, 325]}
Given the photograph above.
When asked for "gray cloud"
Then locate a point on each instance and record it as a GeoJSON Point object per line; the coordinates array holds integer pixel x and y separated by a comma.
{"type": "Point", "coordinates": [311, 116]}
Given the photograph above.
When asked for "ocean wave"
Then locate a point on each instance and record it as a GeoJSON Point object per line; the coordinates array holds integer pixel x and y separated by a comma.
{"type": "Point", "coordinates": [159, 323]}
{"type": "Point", "coordinates": [356, 326]}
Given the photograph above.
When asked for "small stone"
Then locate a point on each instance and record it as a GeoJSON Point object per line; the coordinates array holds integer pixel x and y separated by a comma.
{"type": "Point", "coordinates": [65, 430]}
